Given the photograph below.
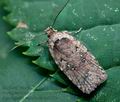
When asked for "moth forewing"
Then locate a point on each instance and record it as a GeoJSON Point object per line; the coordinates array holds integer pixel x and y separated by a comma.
{"type": "Point", "coordinates": [72, 57]}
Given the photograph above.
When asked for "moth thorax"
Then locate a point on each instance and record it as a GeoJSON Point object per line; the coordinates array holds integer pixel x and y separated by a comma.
{"type": "Point", "coordinates": [50, 31]}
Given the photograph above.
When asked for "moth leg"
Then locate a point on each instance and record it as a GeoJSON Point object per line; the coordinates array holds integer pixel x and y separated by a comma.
{"type": "Point", "coordinates": [78, 31]}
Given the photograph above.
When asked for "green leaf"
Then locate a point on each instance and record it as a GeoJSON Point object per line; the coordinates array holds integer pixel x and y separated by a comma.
{"type": "Point", "coordinates": [102, 41]}
{"type": "Point", "coordinates": [23, 13]}
{"type": "Point", "coordinates": [49, 92]}
{"type": "Point", "coordinates": [21, 81]}
{"type": "Point", "coordinates": [38, 15]}
{"type": "Point", "coordinates": [98, 19]}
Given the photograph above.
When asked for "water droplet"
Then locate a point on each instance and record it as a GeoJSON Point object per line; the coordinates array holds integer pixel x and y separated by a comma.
{"type": "Point", "coordinates": [95, 39]}
{"type": "Point", "coordinates": [111, 8]}
{"type": "Point", "coordinates": [112, 29]}
{"type": "Point", "coordinates": [116, 10]}
{"type": "Point", "coordinates": [105, 45]}
{"type": "Point", "coordinates": [42, 10]}
{"type": "Point", "coordinates": [74, 12]}
{"type": "Point", "coordinates": [88, 34]}
{"type": "Point", "coordinates": [29, 36]}
{"type": "Point", "coordinates": [54, 4]}
{"type": "Point", "coordinates": [105, 5]}
{"type": "Point", "coordinates": [90, 17]}
{"type": "Point", "coordinates": [104, 29]}
{"type": "Point", "coordinates": [92, 37]}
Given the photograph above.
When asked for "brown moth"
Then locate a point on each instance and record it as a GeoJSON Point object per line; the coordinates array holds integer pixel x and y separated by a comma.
{"type": "Point", "coordinates": [73, 58]}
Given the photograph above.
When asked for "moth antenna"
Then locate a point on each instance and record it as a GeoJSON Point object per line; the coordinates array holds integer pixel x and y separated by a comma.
{"type": "Point", "coordinates": [60, 12]}
{"type": "Point", "coordinates": [50, 29]}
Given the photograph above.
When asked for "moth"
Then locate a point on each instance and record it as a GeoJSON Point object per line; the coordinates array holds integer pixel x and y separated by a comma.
{"type": "Point", "coordinates": [75, 61]}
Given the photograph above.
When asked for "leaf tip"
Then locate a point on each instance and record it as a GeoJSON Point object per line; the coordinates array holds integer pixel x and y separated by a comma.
{"type": "Point", "coordinates": [34, 62]}
{"type": "Point", "coordinates": [24, 53]}
{"type": "Point", "coordinates": [9, 33]}
{"type": "Point", "coordinates": [51, 75]}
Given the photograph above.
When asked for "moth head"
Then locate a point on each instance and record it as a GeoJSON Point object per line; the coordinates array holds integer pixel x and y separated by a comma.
{"type": "Point", "coordinates": [50, 31]}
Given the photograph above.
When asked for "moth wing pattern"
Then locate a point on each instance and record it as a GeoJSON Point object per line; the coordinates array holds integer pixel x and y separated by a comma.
{"type": "Point", "coordinates": [78, 64]}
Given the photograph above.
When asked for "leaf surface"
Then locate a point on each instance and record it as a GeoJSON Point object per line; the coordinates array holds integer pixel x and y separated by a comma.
{"type": "Point", "coordinates": [98, 19]}
{"type": "Point", "coordinates": [21, 81]}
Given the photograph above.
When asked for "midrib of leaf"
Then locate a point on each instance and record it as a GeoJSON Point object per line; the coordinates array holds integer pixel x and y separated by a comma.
{"type": "Point", "coordinates": [33, 89]}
